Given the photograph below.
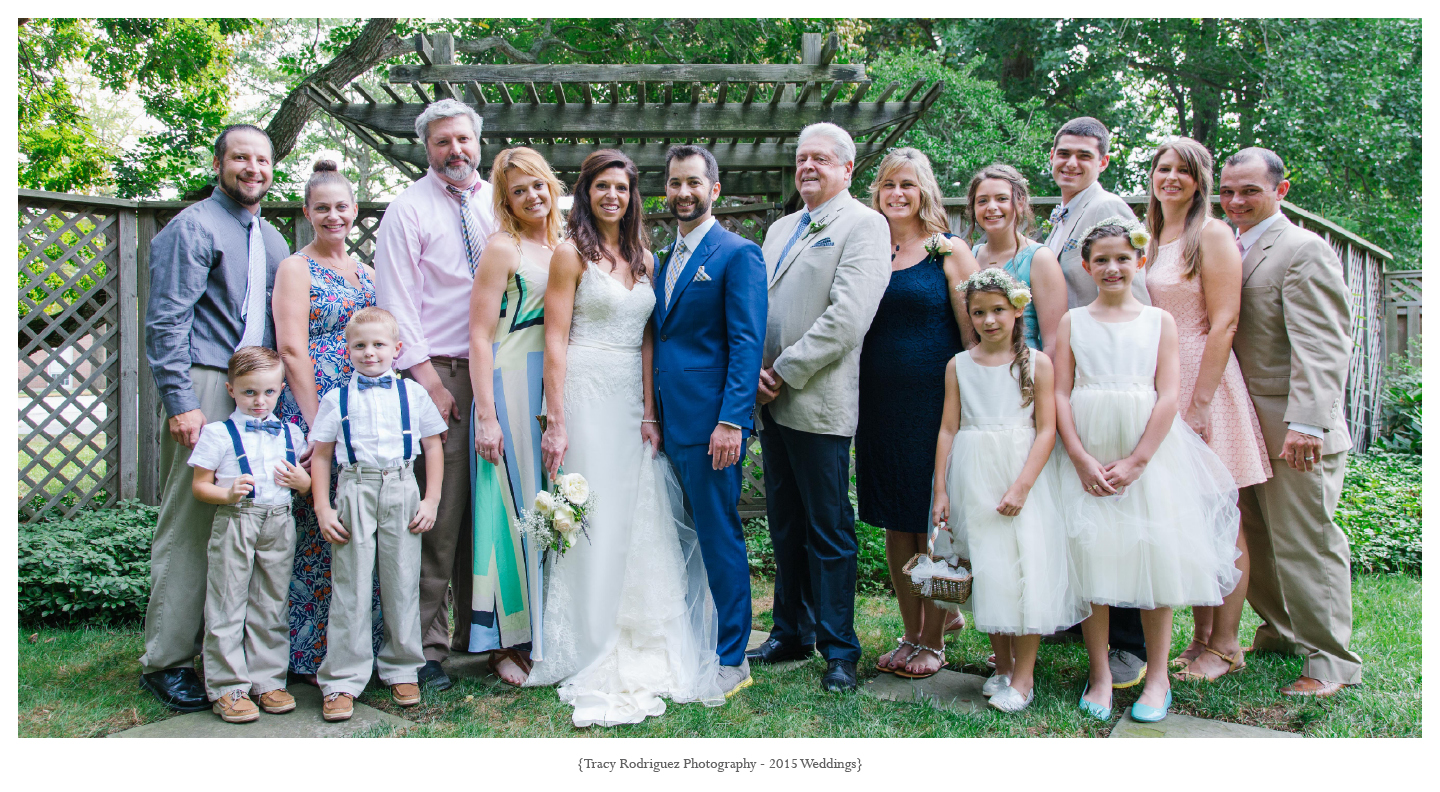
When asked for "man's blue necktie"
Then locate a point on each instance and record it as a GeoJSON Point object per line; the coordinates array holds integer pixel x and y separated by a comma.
{"type": "Point", "coordinates": [366, 383]}
{"type": "Point", "coordinates": [273, 427]}
{"type": "Point", "coordinates": [800, 229]}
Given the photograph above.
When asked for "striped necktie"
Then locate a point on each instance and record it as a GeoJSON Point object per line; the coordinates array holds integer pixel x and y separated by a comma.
{"type": "Point", "coordinates": [672, 271]}
{"type": "Point", "coordinates": [469, 225]}
{"type": "Point", "coordinates": [800, 229]}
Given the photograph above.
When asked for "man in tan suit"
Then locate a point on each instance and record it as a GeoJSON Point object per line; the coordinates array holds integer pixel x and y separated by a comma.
{"type": "Point", "coordinates": [827, 268]}
{"type": "Point", "coordinates": [1293, 344]}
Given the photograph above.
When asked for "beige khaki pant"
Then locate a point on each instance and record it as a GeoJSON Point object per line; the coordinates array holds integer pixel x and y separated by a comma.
{"type": "Point", "coordinates": [175, 616]}
{"type": "Point", "coordinates": [447, 547]}
{"type": "Point", "coordinates": [1300, 567]}
{"type": "Point", "coordinates": [376, 507]}
{"type": "Point", "coordinates": [247, 619]}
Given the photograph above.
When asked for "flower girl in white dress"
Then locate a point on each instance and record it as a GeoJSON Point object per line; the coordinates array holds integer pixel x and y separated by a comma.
{"type": "Point", "coordinates": [1151, 509]}
{"type": "Point", "coordinates": [995, 486]}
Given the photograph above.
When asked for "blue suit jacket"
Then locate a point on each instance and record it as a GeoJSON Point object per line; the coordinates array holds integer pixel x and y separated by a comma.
{"type": "Point", "coordinates": [709, 341]}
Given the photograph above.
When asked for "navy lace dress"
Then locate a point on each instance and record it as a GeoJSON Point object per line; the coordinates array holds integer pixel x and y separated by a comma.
{"type": "Point", "coordinates": [902, 394]}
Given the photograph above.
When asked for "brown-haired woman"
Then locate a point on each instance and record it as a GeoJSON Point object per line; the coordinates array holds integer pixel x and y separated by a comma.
{"type": "Point", "coordinates": [1196, 278]}
{"type": "Point", "coordinates": [915, 332]}
{"type": "Point", "coordinates": [316, 292]}
{"type": "Point", "coordinates": [507, 344]}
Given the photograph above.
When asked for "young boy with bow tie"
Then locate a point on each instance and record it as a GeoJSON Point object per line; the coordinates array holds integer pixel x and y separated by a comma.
{"type": "Point", "coordinates": [246, 465]}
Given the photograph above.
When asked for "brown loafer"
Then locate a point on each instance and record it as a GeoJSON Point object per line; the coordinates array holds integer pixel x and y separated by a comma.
{"type": "Point", "coordinates": [235, 707]}
{"type": "Point", "coordinates": [405, 694]}
{"type": "Point", "coordinates": [1310, 686]}
{"type": "Point", "coordinates": [277, 702]}
{"type": "Point", "coordinates": [338, 707]}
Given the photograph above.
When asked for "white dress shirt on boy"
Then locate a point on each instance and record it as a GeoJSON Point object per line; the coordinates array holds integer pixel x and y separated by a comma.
{"type": "Point", "coordinates": [264, 451]}
{"type": "Point", "coordinates": [375, 427]}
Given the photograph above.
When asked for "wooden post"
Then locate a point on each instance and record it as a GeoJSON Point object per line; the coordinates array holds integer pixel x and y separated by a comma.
{"type": "Point", "coordinates": [150, 415]}
{"type": "Point", "coordinates": [810, 47]}
{"type": "Point", "coordinates": [129, 440]}
{"type": "Point", "coordinates": [443, 48]}
{"type": "Point", "coordinates": [304, 232]}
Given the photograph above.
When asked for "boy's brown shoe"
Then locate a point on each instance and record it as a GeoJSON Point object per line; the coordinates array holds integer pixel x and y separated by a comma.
{"type": "Point", "coordinates": [235, 707]}
{"type": "Point", "coordinates": [277, 702]}
{"type": "Point", "coordinates": [338, 707]}
{"type": "Point", "coordinates": [406, 694]}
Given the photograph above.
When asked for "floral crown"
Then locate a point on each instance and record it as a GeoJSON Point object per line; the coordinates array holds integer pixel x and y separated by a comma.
{"type": "Point", "coordinates": [1139, 237]}
{"type": "Point", "coordinates": [993, 277]}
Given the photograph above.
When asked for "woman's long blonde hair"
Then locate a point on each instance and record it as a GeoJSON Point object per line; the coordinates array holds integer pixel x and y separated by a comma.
{"type": "Point", "coordinates": [522, 161]}
{"type": "Point", "coordinates": [932, 208]}
{"type": "Point", "coordinates": [1201, 165]}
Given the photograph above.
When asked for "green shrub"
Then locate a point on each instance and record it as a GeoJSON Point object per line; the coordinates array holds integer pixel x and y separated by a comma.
{"type": "Point", "coordinates": [1379, 512]}
{"type": "Point", "coordinates": [872, 572]}
{"type": "Point", "coordinates": [94, 567]}
{"type": "Point", "coordinates": [1400, 403]}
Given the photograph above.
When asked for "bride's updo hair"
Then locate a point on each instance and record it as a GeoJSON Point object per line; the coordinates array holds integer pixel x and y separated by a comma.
{"type": "Point", "coordinates": [326, 172]}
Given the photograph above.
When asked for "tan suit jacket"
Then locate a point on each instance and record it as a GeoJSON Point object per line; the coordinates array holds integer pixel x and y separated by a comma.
{"type": "Point", "coordinates": [823, 296]}
{"type": "Point", "coordinates": [1093, 204]}
{"type": "Point", "coordinates": [1293, 340]}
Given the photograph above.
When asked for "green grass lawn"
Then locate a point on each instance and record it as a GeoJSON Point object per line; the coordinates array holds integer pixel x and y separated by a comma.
{"type": "Point", "coordinates": [82, 682]}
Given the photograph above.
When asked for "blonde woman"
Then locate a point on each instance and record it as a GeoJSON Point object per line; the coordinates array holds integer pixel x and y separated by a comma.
{"type": "Point", "coordinates": [915, 333]}
{"type": "Point", "coordinates": [1196, 278]}
{"type": "Point", "coordinates": [507, 352]}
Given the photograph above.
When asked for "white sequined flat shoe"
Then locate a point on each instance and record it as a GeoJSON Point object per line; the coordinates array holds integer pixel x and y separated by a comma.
{"type": "Point", "coordinates": [1008, 699]}
{"type": "Point", "coordinates": [995, 684]}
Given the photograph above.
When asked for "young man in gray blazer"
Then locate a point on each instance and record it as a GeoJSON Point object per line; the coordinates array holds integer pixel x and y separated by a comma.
{"type": "Point", "coordinates": [1293, 344]}
{"type": "Point", "coordinates": [827, 268]}
{"type": "Point", "coordinates": [1080, 154]}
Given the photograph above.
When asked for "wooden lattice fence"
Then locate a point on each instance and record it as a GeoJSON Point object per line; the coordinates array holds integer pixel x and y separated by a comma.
{"type": "Point", "coordinates": [1402, 310]}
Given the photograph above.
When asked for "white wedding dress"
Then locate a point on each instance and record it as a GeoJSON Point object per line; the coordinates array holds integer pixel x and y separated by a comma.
{"type": "Point", "coordinates": [628, 621]}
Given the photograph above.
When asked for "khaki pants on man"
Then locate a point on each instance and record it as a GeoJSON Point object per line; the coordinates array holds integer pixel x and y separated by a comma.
{"type": "Point", "coordinates": [175, 616]}
{"type": "Point", "coordinates": [376, 507]}
{"type": "Point", "coordinates": [445, 560]}
{"type": "Point", "coordinates": [247, 618]}
{"type": "Point", "coordinates": [1300, 568]}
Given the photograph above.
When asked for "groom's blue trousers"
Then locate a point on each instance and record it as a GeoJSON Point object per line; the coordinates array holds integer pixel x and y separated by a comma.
{"type": "Point", "coordinates": [711, 498]}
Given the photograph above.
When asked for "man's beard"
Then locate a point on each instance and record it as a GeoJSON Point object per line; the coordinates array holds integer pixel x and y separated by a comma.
{"type": "Point", "coordinates": [456, 173]}
{"type": "Point", "coordinates": [235, 189]}
{"type": "Point", "coordinates": [701, 207]}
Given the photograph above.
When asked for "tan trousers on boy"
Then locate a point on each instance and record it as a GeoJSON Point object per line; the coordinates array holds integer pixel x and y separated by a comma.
{"type": "Point", "coordinates": [175, 617]}
{"type": "Point", "coordinates": [376, 507]}
{"type": "Point", "coordinates": [247, 625]}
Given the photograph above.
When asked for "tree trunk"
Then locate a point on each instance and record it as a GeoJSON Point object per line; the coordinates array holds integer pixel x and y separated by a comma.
{"type": "Point", "coordinates": [375, 43]}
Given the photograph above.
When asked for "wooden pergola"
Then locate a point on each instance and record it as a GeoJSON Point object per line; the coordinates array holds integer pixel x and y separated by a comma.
{"type": "Point", "coordinates": [747, 114]}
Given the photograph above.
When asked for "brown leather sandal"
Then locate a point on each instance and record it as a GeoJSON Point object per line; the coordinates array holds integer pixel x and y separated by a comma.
{"type": "Point", "coordinates": [499, 655]}
{"type": "Point", "coordinates": [1182, 662]}
{"type": "Point", "coordinates": [1236, 661]}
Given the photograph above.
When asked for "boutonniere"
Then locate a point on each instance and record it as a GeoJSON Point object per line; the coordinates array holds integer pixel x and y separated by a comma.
{"type": "Point", "coordinates": [939, 245]}
{"type": "Point", "coordinates": [817, 226]}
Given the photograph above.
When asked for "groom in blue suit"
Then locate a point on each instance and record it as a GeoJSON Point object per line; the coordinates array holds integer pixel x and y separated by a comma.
{"type": "Point", "coordinates": [710, 307]}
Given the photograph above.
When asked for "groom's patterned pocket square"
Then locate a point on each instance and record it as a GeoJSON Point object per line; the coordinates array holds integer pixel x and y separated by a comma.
{"type": "Point", "coordinates": [826, 242]}
{"type": "Point", "coordinates": [700, 276]}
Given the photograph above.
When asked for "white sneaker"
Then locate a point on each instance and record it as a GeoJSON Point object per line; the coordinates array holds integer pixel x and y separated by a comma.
{"type": "Point", "coordinates": [1008, 699]}
{"type": "Point", "coordinates": [995, 684]}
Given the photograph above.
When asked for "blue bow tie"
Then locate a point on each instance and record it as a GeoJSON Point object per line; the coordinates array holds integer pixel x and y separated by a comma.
{"type": "Point", "coordinates": [1059, 215]}
{"type": "Point", "coordinates": [273, 427]}
{"type": "Point", "coordinates": [382, 381]}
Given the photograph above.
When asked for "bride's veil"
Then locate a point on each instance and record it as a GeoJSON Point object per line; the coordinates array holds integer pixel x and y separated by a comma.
{"type": "Point", "coordinates": [699, 606]}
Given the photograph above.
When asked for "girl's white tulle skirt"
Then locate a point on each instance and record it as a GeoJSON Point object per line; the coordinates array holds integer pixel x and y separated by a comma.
{"type": "Point", "coordinates": [1024, 580]}
{"type": "Point", "coordinates": [1168, 539]}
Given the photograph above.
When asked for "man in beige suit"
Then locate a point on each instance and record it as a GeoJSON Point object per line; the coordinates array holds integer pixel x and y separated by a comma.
{"type": "Point", "coordinates": [827, 267]}
{"type": "Point", "coordinates": [1293, 344]}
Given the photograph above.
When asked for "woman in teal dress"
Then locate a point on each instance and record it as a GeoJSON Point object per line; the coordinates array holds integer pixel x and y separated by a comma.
{"type": "Point", "coordinates": [507, 360]}
{"type": "Point", "coordinates": [1000, 206]}
{"type": "Point", "coordinates": [316, 292]}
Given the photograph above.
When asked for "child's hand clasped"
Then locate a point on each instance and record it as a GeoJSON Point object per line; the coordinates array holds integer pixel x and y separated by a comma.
{"type": "Point", "coordinates": [242, 485]}
{"type": "Point", "coordinates": [1122, 474]}
{"type": "Point", "coordinates": [424, 517]}
{"type": "Point", "coordinates": [1092, 477]}
{"type": "Point", "coordinates": [293, 476]}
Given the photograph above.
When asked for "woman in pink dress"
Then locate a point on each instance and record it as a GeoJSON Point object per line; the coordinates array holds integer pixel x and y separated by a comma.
{"type": "Point", "coordinates": [1195, 276]}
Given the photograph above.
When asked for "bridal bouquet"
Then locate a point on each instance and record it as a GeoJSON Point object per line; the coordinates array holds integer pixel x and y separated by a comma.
{"type": "Point", "coordinates": [559, 514]}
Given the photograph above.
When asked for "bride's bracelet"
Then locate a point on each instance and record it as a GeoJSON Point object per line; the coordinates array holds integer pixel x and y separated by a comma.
{"type": "Point", "coordinates": [649, 420]}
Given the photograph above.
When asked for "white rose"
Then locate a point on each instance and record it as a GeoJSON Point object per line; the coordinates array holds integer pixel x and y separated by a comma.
{"type": "Point", "coordinates": [1020, 297]}
{"type": "Point", "coordinates": [563, 519]}
{"type": "Point", "coordinates": [544, 504]}
{"type": "Point", "coordinates": [943, 245]}
{"type": "Point", "coordinates": [574, 488]}
{"type": "Point", "coordinates": [1140, 238]}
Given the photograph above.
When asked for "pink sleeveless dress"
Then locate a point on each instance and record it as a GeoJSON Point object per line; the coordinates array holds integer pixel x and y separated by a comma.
{"type": "Point", "coordinates": [1234, 428]}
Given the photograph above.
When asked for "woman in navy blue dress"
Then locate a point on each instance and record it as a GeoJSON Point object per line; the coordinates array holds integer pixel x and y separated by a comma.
{"type": "Point", "coordinates": [914, 334]}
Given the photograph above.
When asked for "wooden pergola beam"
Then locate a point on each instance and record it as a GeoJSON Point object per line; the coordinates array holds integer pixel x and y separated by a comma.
{"type": "Point", "coordinates": [647, 157]}
{"type": "Point", "coordinates": [620, 72]}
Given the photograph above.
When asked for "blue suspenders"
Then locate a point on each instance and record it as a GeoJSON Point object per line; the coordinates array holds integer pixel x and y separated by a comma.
{"type": "Point", "coordinates": [240, 457]}
{"type": "Point", "coordinates": [404, 419]}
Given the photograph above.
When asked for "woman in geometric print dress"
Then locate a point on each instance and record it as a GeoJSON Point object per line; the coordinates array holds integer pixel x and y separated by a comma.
{"type": "Point", "coordinates": [507, 362]}
{"type": "Point", "coordinates": [1194, 274]}
{"type": "Point", "coordinates": [316, 292]}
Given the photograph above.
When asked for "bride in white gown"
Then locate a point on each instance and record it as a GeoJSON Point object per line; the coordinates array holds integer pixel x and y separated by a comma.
{"type": "Point", "coordinates": [628, 620]}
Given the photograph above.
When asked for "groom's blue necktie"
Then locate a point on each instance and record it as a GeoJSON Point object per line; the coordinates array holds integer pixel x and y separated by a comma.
{"type": "Point", "coordinates": [800, 228]}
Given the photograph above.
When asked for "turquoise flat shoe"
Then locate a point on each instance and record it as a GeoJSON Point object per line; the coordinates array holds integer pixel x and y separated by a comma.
{"type": "Point", "coordinates": [1095, 710]}
{"type": "Point", "coordinates": [1148, 714]}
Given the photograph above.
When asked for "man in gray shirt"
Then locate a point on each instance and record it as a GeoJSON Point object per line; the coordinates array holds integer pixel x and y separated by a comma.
{"type": "Point", "coordinates": [211, 272]}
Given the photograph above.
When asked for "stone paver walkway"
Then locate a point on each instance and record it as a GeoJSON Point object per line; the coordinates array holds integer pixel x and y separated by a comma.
{"type": "Point", "coordinates": [304, 721]}
{"type": "Point", "coordinates": [758, 637]}
{"type": "Point", "coordinates": [951, 690]}
{"type": "Point", "coordinates": [1176, 725]}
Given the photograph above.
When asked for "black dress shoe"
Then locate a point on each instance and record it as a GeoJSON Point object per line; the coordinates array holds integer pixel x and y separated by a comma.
{"type": "Point", "coordinates": [772, 651]}
{"type": "Point", "coordinates": [839, 676]}
{"type": "Point", "coordinates": [433, 676]}
{"type": "Point", "coordinates": [177, 688]}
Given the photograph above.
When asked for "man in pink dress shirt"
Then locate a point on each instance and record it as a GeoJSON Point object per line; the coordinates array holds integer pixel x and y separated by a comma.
{"type": "Point", "coordinates": [426, 249]}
